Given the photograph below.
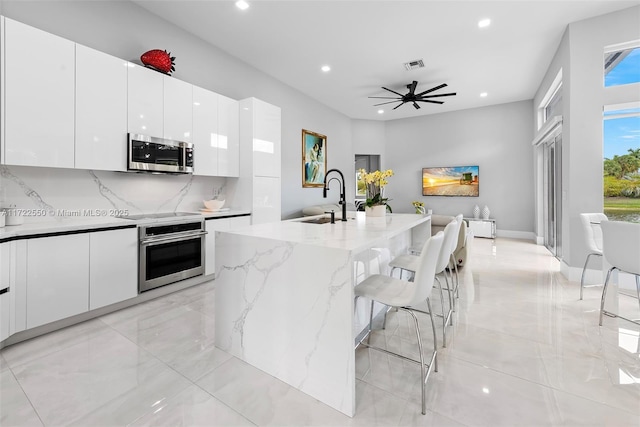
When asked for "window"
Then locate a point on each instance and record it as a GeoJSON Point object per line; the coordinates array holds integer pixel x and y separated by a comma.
{"type": "Point", "coordinates": [621, 165]}
{"type": "Point", "coordinates": [554, 106]}
{"type": "Point", "coordinates": [622, 66]}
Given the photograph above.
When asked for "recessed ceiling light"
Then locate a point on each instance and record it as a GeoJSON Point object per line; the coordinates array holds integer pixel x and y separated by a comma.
{"type": "Point", "coordinates": [380, 111]}
{"type": "Point", "coordinates": [242, 5]}
{"type": "Point", "coordinates": [326, 68]}
{"type": "Point", "coordinates": [484, 94]}
{"type": "Point", "coordinates": [484, 23]}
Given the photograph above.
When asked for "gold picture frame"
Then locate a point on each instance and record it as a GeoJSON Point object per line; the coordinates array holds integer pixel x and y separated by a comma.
{"type": "Point", "coordinates": [314, 159]}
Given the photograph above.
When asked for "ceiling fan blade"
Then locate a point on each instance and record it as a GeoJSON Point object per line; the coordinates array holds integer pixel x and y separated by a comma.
{"type": "Point", "coordinates": [402, 103]}
{"type": "Point", "coordinates": [441, 94]}
{"type": "Point", "coordinates": [416, 105]}
{"type": "Point", "coordinates": [383, 103]}
{"type": "Point", "coordinates": [384, 97]}
{"type": "Point", "coordinates": [393, 91]}
{"type": "Point", "coordinates": [428, 100]}
{"type": "Point", "coordinates": [432, 89]}
{"type": "Point", "coordinates": [412, 87]}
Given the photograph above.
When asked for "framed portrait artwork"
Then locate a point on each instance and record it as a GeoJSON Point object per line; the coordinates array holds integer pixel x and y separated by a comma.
{"type": "Point", "coordinates": [314, 159]}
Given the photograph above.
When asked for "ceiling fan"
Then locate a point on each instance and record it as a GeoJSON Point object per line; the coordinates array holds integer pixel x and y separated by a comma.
{"type": "Point", "coordinates": [414, 97]}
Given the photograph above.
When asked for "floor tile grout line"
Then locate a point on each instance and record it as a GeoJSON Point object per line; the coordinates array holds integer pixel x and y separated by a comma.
{"type": "Point", "coordinates": [179, 373]}
{"type": "Point", "coordinates": [26, 395]}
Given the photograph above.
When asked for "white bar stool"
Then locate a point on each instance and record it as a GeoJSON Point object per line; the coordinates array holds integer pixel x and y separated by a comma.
{"type": "Point", "coordinates": [621, 249]}
{"type": "Point", "coordinates": [403, 294]}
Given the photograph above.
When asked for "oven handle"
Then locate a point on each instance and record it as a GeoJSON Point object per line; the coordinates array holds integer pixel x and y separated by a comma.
{"type": "Point", "coordinates": [146, 242]}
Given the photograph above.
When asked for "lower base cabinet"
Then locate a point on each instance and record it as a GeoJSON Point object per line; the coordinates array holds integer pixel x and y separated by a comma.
{"type": "Point", "coordinates": [113, 268]}
{"type": "Point", "coordinates": [72, 274]}
{"type": "Point", "coordinates": [57, 278]}
{"type": "Point", "coordinates": [5, 291]}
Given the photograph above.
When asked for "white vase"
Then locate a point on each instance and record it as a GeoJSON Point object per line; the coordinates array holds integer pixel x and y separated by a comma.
{"type": "Point", "coordinates": [378, 210]}
{"type": "Point", "coordinates": [476, 212]}
{"type": "Point", "coordinates": [485, 212]}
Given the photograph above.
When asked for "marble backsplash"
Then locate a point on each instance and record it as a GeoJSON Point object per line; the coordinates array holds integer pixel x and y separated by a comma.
{"type": "Point", "coordinates": [45, 194]}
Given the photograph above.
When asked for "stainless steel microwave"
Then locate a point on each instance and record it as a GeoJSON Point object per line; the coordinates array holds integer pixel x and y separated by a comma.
{"type": "Point", "coordinates": [150, 154]}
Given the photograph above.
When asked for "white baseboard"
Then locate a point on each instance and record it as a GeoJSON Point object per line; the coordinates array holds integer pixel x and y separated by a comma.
{"type": "Point", "coordinates": [539, 240]}
{"type": "Point", "coordinates": [511, 234]}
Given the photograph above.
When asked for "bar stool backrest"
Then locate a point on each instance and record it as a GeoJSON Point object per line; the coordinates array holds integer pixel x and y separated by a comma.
{"type": "Point", "coordinates": [621, 245]}
{"type": "Point", "coordinates": [592, 230]}
{"type": "Point", "coordinates": [425, 275]}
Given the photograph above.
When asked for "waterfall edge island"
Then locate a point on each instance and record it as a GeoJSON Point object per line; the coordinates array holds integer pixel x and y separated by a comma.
{"type": "Point", "coordinates": [285, 301]}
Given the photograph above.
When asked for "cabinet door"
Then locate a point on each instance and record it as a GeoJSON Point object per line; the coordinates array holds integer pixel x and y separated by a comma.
{"type": "Point", "coordinates": [2, 73]}
{"type": "Point", "coordinates": [205, 132]}
{"type": "Point", "coordinates": [178, 109]}
{"type": "Point", "coordinates": [57, 278]}
{"type": "Point", "coordinates": [101, 111]}
{"type": "Point", "coordinates": [145, 101]}
{"type": "Point", "coordinates": [113, 271]}
{"type": "Point", "coordinates": [5, 291]}
{"type": "Point", "coordinates": [228, 137]}
{"type": "Point", "coordinates": [39, 97]}
{"type": "Point", "coordinates": [266, 200]}
{"type": "Point", "coordinates": [266, 139]}
{"type": "Point", "coordinates": [239, 221]}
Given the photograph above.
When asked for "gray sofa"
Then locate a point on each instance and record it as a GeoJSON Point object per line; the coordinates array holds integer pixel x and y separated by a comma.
{"type": "Point", "coordinates": [439, 222]}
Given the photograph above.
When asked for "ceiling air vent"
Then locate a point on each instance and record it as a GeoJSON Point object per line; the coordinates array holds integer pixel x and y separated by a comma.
{"type": "Point", "coordinates": [414, 64]}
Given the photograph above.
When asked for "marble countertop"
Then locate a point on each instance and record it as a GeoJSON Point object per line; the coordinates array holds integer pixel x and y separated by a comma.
{"type": "Point", "coordinates": [71, 223]}
{"type": "Point", "coordinates": [357, 233]}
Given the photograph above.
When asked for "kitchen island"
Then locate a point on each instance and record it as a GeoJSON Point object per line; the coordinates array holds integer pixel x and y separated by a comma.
{"type": "Point", "coordinates": [285, 301]}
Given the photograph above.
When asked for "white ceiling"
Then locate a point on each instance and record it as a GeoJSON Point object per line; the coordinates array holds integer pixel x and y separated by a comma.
{"type": "Point", "coordinates": [366, 43]}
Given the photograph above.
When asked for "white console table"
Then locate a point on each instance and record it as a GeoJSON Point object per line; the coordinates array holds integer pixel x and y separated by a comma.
{"type": "Point", "coordinates": [482, 227]}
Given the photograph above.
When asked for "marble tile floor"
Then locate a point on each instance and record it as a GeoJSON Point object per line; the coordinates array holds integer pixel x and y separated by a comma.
{"type": "Point", "coordinates": [523, 351]}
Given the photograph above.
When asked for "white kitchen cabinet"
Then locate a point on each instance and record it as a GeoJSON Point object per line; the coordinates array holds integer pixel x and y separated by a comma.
{"type": "Point", "coordinates": [39, 73]}
{"type": "Point", "coordinates": [101, 111]}
{"type": "Point", "coordinates": [266, 140]}
{"type": "Point", "coordinates": [113, 266]}
{"type": "Point", "coordinates": [6, 290]}
{"type": "Point", "coordinates": [57, 278]}
{"type": "Point", "coordinates": [2, 90]}
{"type": "Point", "coordinates": [266, 199]}
{"type": "Point", "coordinates": [205, 131]}
{"type": "Point", "coordinates": [228, 137]}
{"type": "Point", "coordinates": [222, 224]}
{"type": "Point", "coordinates": [178, 109]}
{"type": "Point", "coordinates": [259, 187]}
{"type": "Point", "coordinates": [145, 101]}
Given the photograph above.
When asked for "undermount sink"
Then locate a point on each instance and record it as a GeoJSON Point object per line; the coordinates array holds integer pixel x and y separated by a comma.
{"type": "Point", "coordinates": [322, 220]}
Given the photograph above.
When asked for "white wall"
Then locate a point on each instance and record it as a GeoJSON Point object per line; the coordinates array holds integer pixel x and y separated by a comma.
{"type": "Point", "coordinates": [581, 56]}
{"type": "Point", "coordinates": [496, 138]}
{"type": "Point", "coordinates": [125, 30]}
{"type": "Point", "coordinates": [369, 137]}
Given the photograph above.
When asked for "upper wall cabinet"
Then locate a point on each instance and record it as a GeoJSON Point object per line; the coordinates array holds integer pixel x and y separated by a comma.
{"type": "Point", "coordinates": [228, 137]}
{"type": "Point", "coordinates": [266, 139]}
{"type": "Point", "coordinates": [101, 111]}
{"type": "Point", "coordinates": [39, 91]}
{"type": "Point", "coordinates": [205, 131]}
{"type": "Point", "coordinates": [215, 134]}
{"type": "Point", "coordinates": [178, 109]}
{"type": "Point", "coordinates": [145, 101]}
